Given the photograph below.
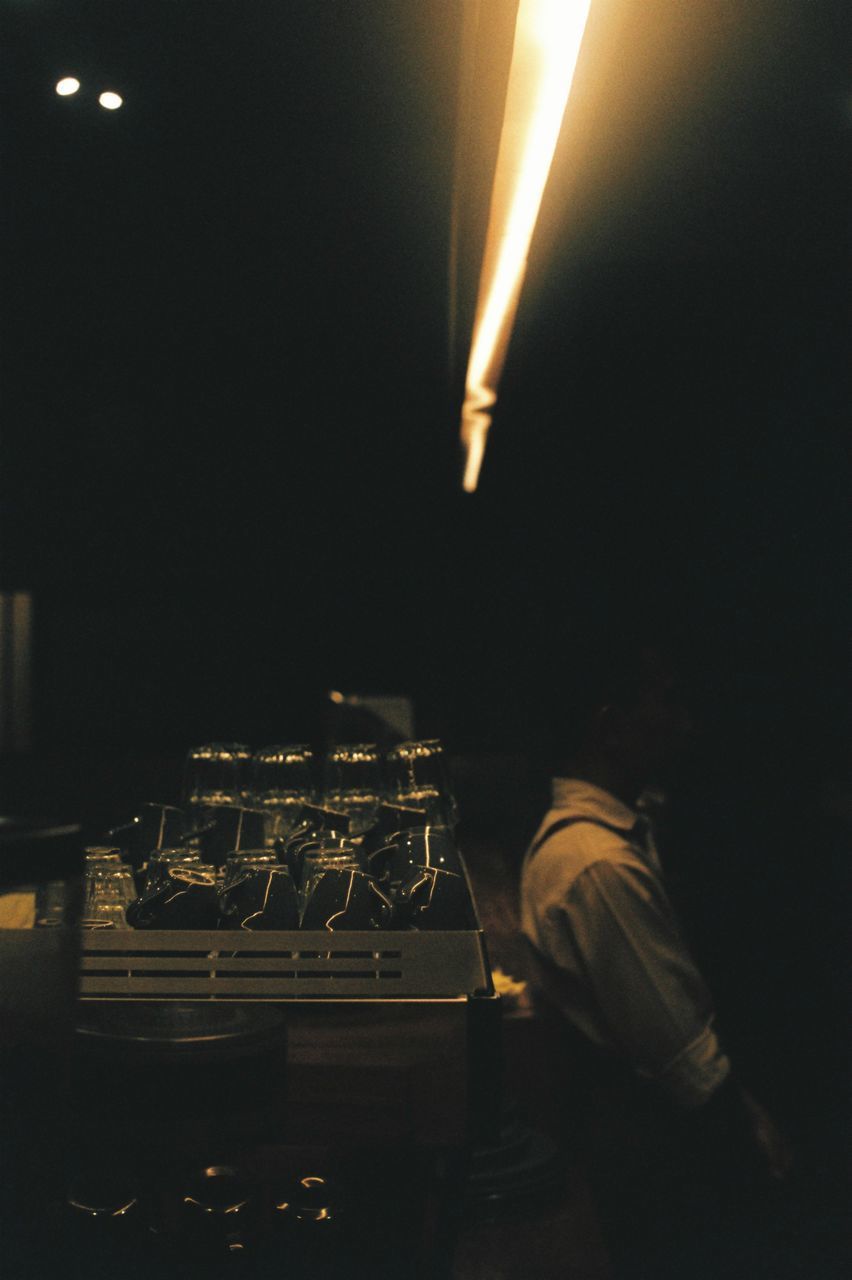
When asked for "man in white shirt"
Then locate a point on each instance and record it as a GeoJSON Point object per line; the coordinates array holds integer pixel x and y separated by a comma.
{"type": "Point", "coordinates": [608, 953]}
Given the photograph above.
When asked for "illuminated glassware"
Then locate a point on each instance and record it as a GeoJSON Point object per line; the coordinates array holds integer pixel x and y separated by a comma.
{"type": "Point", "coordinates": [322, 856]}
{"type": "Point", "coordinates": [108, 891]}
{"type": "Point", "coordinates": [417, 776]}
{"type": "Point", "coordinates": [240, 861]}
{"type": "Point", "coordinates": [259, 895]}
{"type": "Point", "coordinates": [216, 774]}
{"type": "Point", "coordinates": [102, 856]}
{"type": "Point", "coordinates": [160, 861]}
{"type": "Point", "coordinates": [352, 783]}
{"type": "Point", "coordinates": [281, 784]}
{"type": "Point", "coordinates": [185, 898]}
{"type": "Point", "coordinates": [344, 898]}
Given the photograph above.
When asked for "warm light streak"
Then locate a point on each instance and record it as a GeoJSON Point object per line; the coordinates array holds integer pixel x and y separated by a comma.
{"type": "Point", "coordinates": [548, 35]}
{"type": "Point", "coordinates": [67, 86]}
{"type": "Point", "coordinates": [111, 101]}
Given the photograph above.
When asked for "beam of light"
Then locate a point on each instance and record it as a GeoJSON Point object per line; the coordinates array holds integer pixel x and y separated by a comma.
{"type": "Point", "coordinates": [548, 35]}
{"type": "Point", "coordinates": [67, 85]}
{"type": "Point", "coordinates": [111, 101]}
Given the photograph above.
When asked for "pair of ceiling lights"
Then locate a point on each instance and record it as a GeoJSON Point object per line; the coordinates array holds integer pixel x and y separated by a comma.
{"type": "Point", "coordinates": [70, 85]}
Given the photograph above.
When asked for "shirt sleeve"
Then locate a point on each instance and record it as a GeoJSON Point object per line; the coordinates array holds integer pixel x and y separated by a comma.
{"type": "Point", "coordinates": [645, 983]}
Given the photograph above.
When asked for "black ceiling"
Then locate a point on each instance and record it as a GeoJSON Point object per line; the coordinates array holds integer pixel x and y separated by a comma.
{"type": "Point", "coordinates": [225, 355]}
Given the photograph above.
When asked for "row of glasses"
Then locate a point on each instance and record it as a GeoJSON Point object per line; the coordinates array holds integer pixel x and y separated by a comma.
{"type": "Point", "coordinates": [326, 881]}
{"type": "Point", "coordinates": [356, 778]}
{"type": "Point", "coordinates": [254, 891]}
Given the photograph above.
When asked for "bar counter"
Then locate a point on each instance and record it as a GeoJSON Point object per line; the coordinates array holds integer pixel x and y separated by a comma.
{"type": "Point", "coordinates": [498, 1220]}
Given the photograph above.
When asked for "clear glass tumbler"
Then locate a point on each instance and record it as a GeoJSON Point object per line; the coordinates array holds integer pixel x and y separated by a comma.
{"type": "Point", "coordinates": [281, 784]}
{"type": "Point", "coordinates": [331, 855]}
{"type": "Point", "coordinates": [416, 775]}
{"type": "Point", "coordinates": [216, 774]}
{"type": "Point", "coordinates": [107, 893]}
{"type": "Point", "coordinates": [352, 783]}
{"type": "Point", "coordinates": [243, 859]}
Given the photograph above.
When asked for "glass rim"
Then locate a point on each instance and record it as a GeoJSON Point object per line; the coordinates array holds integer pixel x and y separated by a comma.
{"type": "Point", "coordinates": [284, 753]}
{"type": "Point", "coordinates": [356, 752]}
{"type": "Point", "coordinates": [203, 874]}
{"type": "Point", "coordinates": [415, 747]}
{"type": "Point", "coordinates": [220, 751]}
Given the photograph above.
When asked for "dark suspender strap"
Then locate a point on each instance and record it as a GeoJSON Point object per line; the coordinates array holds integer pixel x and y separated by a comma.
{"type": "Point", "coordinates": [562, 823]}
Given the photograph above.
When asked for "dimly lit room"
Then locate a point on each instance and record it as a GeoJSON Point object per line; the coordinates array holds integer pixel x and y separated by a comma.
{"type": "Point", "coordinates": [424, 534]}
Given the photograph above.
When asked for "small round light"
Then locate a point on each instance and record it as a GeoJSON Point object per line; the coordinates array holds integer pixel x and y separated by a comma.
{"type": "Point", "coordinates": [111, 101]}
{"type": "Point", "coordinates": [67, 86]}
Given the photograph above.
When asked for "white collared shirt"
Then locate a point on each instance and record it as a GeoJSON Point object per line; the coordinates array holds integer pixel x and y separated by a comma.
{"type": "Point", "coordinates": [594, 904]}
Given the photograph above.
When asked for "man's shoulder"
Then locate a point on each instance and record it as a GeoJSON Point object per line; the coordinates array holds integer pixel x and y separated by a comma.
{"type": "Point", "coordinates": [567, 844]}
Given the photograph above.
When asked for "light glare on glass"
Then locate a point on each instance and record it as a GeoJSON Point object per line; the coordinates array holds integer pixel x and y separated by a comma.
{"type": "Point", "coordinates": [67, 86]}
{"type": "Point", "coordinates": [111, 101]}
{"type": "Point", "coordinates": [548, 35]}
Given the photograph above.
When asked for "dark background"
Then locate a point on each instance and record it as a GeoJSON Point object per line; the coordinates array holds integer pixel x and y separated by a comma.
{"type": "Point", "coordinates": [230, 473]}
{"type": "Point", "coordinates": [229, 457]}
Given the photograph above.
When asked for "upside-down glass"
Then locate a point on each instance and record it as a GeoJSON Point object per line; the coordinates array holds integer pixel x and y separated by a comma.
{"type": "Point", "coordinates": [238, 863]}
{"type": "Point", "coordinates": [186, 898]}
{"type": "Point", "coordinates": [281, 784]}
{"type": "Point", "coordinates": [345, 898]}
{"type": "Point", "coordinates": [325, 855]}
{"type": "Point", "coordinates": [416, 775]}
{"type": "Point", "coordinates": [162, 859]}
{"type": "Point", "coordinates": [259, 895]}
{"type": "Point", "coordinates": [99, 856]}
{"type": "Point", "coordinates": [352, 783]}
{"type": "Point", "coordinates": [216, 774]}
{"type": "Point", "coordinates": [108, 891]}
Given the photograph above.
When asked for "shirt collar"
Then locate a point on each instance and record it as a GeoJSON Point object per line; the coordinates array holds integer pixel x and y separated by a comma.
{"type": "Point", "coordinates": [589, 801]}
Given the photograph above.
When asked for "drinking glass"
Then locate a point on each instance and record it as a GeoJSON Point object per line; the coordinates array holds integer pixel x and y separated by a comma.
{"type": "Point", "coordinates": [242, 859]}
{"type": "Point", "coordinates": [281, 784]}
{"type": "Point", "coordinates": [324, 855]}
{"type": "Point", "coordinates": [315, 821]}
{"type": "Point", "coordinates": [345, 898]}
{"type": "Point", "coordinates": [352, 783]}
{"type": "Point", "coordinates": [99, 856]}
{"type": "Point", "coordinates": [216, 774]}
{"type": "Point", "coordinates": [421, 847]}
{"type": "Point", "coordinates": [162, 859]}
{"type": "Point", "coordinates": [108, 892]}
{"type": "Point", "coordinates": [416, 775]}
{"type": "Point", "coordinates": [259, 896]}
{"type": "Point", "coordinates": [185, 898]}
{"type": "Point", "coordinates": [432, 899]}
